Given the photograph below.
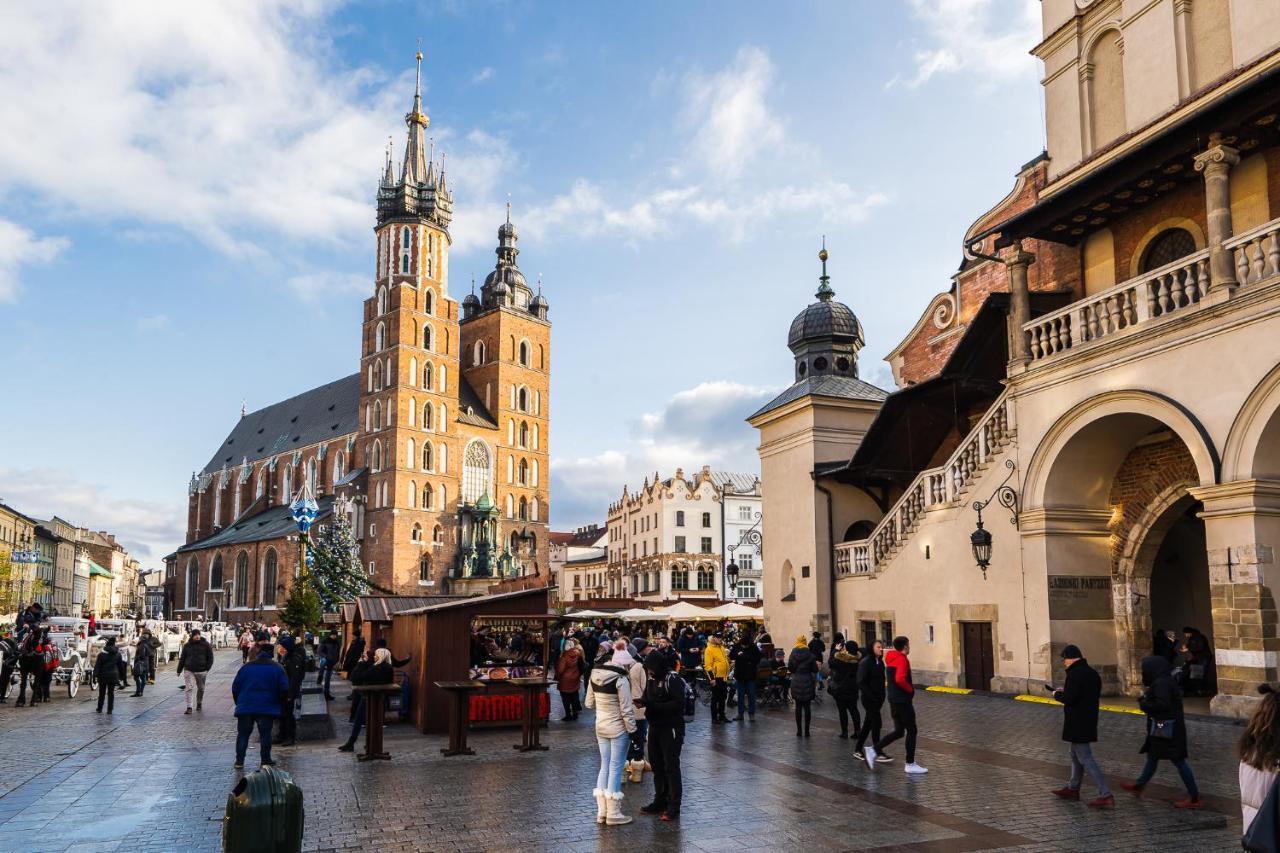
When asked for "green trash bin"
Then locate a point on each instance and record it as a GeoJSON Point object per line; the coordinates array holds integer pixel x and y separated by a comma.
{"type": "Point", "coordinates": [264, 814]}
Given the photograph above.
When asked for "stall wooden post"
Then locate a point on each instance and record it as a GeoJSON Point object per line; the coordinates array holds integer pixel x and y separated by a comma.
{"type": "Point", "coordinates": [530, 728]}
{"type": "Point", "coordinates": [375, 716]}
{"type": "Point", "coordinates": [459, 716]}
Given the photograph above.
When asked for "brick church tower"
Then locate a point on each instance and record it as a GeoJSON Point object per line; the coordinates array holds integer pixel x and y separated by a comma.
{"type": "Point", "coordinates": [409, 370]}
{"type": "Point", "coordinates": [506, 354]}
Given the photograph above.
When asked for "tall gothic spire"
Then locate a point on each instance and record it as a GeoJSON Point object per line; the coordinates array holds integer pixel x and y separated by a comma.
{"type": "Point", "coordinates": [415, 151]}
{"type": "Point", "coordinates": [389, 171]}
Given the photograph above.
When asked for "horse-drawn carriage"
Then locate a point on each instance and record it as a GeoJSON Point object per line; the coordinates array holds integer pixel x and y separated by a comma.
{"type": "Point", "coordinates": [75, 653]}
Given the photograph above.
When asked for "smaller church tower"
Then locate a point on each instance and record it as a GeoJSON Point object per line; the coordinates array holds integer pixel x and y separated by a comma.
{"type": "Point", "coordinates": [409, 371]}
{"type": "Point", "coordinates": [506, 356]}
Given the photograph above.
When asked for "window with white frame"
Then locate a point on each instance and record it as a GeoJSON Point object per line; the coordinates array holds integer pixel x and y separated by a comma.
{"type": "Point", "coordinates": [406, 244]}
{"type": "Point", "coordinates": [476, 465]}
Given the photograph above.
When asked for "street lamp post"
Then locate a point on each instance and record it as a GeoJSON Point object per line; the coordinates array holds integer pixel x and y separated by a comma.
{"type": "Point", "coordinates": [23, 557]}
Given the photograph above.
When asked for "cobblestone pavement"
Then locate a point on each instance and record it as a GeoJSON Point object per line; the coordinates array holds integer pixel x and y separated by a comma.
{"type": "Point", "coordinates": [149, 778]}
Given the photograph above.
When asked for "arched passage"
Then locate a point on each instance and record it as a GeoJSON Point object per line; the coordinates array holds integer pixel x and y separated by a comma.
{"type": "Point", "coordinates": [1111, 486]}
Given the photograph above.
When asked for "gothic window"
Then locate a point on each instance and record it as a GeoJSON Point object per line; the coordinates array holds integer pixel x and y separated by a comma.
{"type": "Point", "coordinates": [382, 301]}
{"type": "Point", "coordinates": [377, 376]}
{"type": "Point", "coordinates": [411, 455]}
{"type": "Point", "coordinates": [426, 337]}
{"type": "Point", "coordinates": [217, 506]}
{"type": "Point", "coordinates": [193, 583]}
{"type": "Point", "coordinates": [312, 475]}
{"type": "Point", "coordinates": [524, 353]}
{"type": "Point", "coordinates": [339, 466]}
{"type": "Point", "coordinates": [406, 244]}
{"type": "Point", "coordinates": [371, 379]}
{"type": "Point", "coordinates": [476, 465]}
{"type": "Point", "coordinates": [413, 497]}
{"type": "Point", "coordinates": [444, 380]}
{"type": "Point", "coordinates": [533, 509]}
{"type": "Point", "coordinates": [444, 417]}
{"type": "Point", "coordinates": [428, 376]}
{"type": "Point", "coordinates": [429, 300]}
{"type": "Point", "coordinates": [443, 462]}
{"type": "Point", "coordinates": [524, 472]}
{"type": "Point", "coordinates": [260, 482]}
{"type": "Point", "coordinates": [269, 582]}
{"type": "Point", "coordinates": [424, 568]}
{"type": "Point", "coordinates": [535, 472]}
{"type": "Point", "coordinates": [522, 399]}
{"type": "Point", "coordinates": [286, 484]}
{"type": "Point", "coordinates": [478, 356]}
{"type": "Point", "coordinates": [524, 434]}
{"type": "Point", "coordinates": [428, 416]}
{"type": "Point", "coordinates": [1167, 247]}
{"type": "Point", "coordinates": [437, 535]}
{"type": "Point", "coordinates": [242, 579]}
{"type": "Point", "coordinates": [428, 497]}
{"type": "Point", "coordinates": [416, 535]}
{"type": "Point", "coordinates": [524, 509]}
{"type": "Point", "coordinates": [375, 461]}
{"type": "Point", "coordinates": [413, 372]}
{"type": "Point", "coordinates": [413, 411]}
{"type": "Point", "coordinates": [444, 497]}
{"type": "Point", "coordinates": [511, 469]}
{"type": "Point", "coordinates": [427, 452]}
{"type": "Point", "coordinates": [215, 573]}
{"type": "Point", "coordinates": [377, 414]}
{"type": "Point", "coordinates": [535, 436]}
{"type": "Point", "coordinates": [511, 506]}
{"type": "Point", "coordinates": [380, 338]}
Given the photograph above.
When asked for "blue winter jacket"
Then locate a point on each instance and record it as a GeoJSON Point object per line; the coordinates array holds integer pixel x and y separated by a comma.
{"type": "Point", "coordinates": [260, 687]}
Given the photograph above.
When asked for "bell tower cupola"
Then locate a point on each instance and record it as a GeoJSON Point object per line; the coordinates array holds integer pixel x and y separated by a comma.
{"type": "Point", "coordinates": [826, 336]}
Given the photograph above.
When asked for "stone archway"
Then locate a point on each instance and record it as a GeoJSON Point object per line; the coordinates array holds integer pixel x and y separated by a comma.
{"type": "Point", "coordinates": [1103, 489]}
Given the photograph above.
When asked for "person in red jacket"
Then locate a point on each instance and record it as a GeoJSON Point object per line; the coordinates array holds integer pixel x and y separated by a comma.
{"type": "Point", "coordinates": [900, 693]}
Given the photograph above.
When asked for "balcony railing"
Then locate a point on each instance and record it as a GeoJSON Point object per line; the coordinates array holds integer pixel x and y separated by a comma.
{"type": "Point", "coordinates": [934, 487]}
{"type": "Point", "coordinates": [1176, 288]}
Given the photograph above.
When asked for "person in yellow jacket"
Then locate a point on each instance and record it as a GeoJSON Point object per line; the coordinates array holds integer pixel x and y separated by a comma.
{"type": "Point", "coordinates": [716, 663]}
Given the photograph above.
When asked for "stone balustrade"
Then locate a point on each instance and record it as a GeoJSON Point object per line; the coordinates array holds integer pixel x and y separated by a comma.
{"type": "Point", "coordinates": [935, 487]}
{"type": "Point", "coordinates": [1256, 253]}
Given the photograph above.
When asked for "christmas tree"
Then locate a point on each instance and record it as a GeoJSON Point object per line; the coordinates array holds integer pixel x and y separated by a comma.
{"type": "Point", "coordinates": [302, 608]}
{"type": "Point", "coordinates": [333, 564]}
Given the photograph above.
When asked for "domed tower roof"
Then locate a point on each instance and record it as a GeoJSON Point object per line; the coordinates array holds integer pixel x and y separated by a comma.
{"type": "Point", "coordinates": [826, 336]}
{"type": "Point", "coordinates": [506, 286]}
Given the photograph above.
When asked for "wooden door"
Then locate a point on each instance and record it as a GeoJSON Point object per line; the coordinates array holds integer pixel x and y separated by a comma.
{"type": "Point", "coordinates": [978, 655]}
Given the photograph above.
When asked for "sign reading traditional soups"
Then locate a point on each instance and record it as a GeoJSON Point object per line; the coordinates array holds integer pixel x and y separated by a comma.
{"type": "Point", "coordinates": [1079, 597]}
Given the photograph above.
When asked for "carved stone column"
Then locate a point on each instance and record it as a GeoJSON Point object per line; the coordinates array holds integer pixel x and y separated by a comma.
{"type": "Point", "coordinates": [1216, 162]}
{"type": "Point", "coordinates": [1019, 302]}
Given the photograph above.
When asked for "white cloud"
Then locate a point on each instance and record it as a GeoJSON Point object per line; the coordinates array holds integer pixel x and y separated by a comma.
{"type": "Point", "coordinates": [153, 322]}
{"type": "Point", "coordinates": [150, 530]}
{"type": "Point", "coordinates": [704, 425]}
{"type": "Point", "coordinates": [727, 112]}
{"type": "Point", "coordinates": [320, 286]}
{"type": "Point", "coordinates": [19, 247]}
{"type": "Point", "coordinates": [233, 121]}
{"type": "Point", "coordinates": [482, 75]}
{"type": "Point", "coordinates": [987, 38]}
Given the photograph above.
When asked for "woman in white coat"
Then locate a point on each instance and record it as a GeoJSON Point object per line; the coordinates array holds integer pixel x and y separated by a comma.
{"type": "Point", "coordinates": [1260, 754]}
{"type": "Point", "coordinates": [609, 694]}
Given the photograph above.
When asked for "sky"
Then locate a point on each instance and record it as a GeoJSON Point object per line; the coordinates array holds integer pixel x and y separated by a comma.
{"type": "Point", "coordinates": [186, 211]}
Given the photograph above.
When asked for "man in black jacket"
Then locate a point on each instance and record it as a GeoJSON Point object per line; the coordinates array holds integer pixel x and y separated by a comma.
{"type": "Point", "coordinates": [295, 668]}
{"type": "Point", "coordinates": [1079, 695]}
{"type": "Point", "coordinates": [746, 667]}
{"type": "Point", "coordinates": [194, 664]}
{"type": "Point", "coordinates": [330, 651]}
{"type": "Point", "coordinates": [664, 711]}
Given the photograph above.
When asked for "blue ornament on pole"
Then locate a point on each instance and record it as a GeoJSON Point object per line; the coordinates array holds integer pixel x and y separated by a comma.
{"type": "Point", "coordinates": [304, 509]}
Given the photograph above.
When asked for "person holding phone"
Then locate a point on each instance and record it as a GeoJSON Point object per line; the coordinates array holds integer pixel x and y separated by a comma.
{"type": "Point", "coordinates": [1080, 694]}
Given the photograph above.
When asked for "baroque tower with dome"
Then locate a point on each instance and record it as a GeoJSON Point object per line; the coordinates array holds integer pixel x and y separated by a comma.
{"type": "Point", "coordinates": [812, 425]}
{"type": "Point", "coordinates": [436, 449]}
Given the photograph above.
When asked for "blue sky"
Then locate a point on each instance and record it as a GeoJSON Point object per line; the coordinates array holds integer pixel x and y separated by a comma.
{"type": "Point", "coordinates": [185, 211]}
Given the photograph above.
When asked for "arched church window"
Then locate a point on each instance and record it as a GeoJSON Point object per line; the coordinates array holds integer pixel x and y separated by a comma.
{"type": "Point", "coordinates": [377, 414]}
{"type": "Point", "coordinates": [427, 454]}
{"type": "Point", "coordinates": [478, 356]}
{"type": "Point", "coordinates": [242, 579]}
{"type": "Point", "coordinates": [1167, 247]}
{"type": "Point", "coordinates": [377, 376]}
{"type": "Point", "coordinates": [406, 243]}
{"type": "Point", "coordinates": [269, 582]}
{"type": "Point", "coordinates": [382, 301]}
{"type": "Point", "coordinates": [424, 568]}
{"type": "Point", "coordinates": [428, 416]}
{"type": "Point", "coordinates": [413, 372]}
{"type": "Point", "coordinates": [426, 337]}
{"type": "Point", "coordinates": [524, 434]}
{"type": "Point", "coordinates": [524, 353]}
{"type": "Point", "coordinates": [429, 377]}
{"type": "Point", "coordinates": [380, 338]}
{"type": "Point", "coordinates": [524, 509]}
{"type": "Point", "coordinates": [476, 465]}
{"type": "Point", "coordinates": [339, 466]}
{"type": "Point", "coordinates": [437, 535]}
{"type": "Point", "coordinates": [522, 399]}
{"type": "Point", "coordinates": [411, 455]}
{"type": "Point", "coordinates": [413, 504]}
{"type": "Point", "coordinates": [416, 535]}
{"type": "Point", "coordinates": [429, 300]}
{"type": "Point", "coordinates": [375, 461]}
{"type": "Point", "coordinates": [215, 573]}
{"type": "Point", "coordinates": [193, 583]}
{"type": "Point", "coordinates": [511, 506]}
{"type": "Point", "coordinates": [533, 509]}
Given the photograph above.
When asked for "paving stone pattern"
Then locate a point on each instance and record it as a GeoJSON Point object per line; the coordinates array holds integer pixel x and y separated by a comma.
{"type": "Point", "coordinates": [149, 778]}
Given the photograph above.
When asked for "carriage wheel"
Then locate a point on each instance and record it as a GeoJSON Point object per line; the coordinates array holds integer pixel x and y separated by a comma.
{"type": "Point", "coordinates": [73, 683]}
{"type": "Point", "coordinates": [93, 680]}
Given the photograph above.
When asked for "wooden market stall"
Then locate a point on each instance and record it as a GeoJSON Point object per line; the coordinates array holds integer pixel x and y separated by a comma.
{"type": "Point", "coordinates": [439, 638]}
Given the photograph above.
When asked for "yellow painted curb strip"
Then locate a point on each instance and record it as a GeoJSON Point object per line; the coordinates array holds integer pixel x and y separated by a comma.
{"type": "Point", "coordinates": [959, 691]}
{"type": "Point", "coordinates": [1045, 700]}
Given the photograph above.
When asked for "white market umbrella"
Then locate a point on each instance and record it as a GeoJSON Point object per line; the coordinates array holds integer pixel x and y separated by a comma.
{"type": "Point", "coordinates": [589, 614]}
{"type": "Point", "coordinates": [733, 610]}
{"type": "Point", "coordinates": [637, 614]}
{"type": "Point", "coordinates": [683, 610]}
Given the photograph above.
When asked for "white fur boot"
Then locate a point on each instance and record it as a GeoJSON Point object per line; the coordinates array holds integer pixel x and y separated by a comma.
{"type": "Point", "coordinates": [615, 816]}
{"type": "Point", "coordinates": [601, 804]}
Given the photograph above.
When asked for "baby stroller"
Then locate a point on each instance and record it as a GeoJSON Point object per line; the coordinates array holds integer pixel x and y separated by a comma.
{"type": "Point", "coordinates": [776, 692]}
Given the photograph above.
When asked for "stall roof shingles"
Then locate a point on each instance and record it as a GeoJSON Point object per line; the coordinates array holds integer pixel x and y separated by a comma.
{"type": "Point", "coordinates": [313, 416]}
{"type": "Point", "coordinates": [380, 608]}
